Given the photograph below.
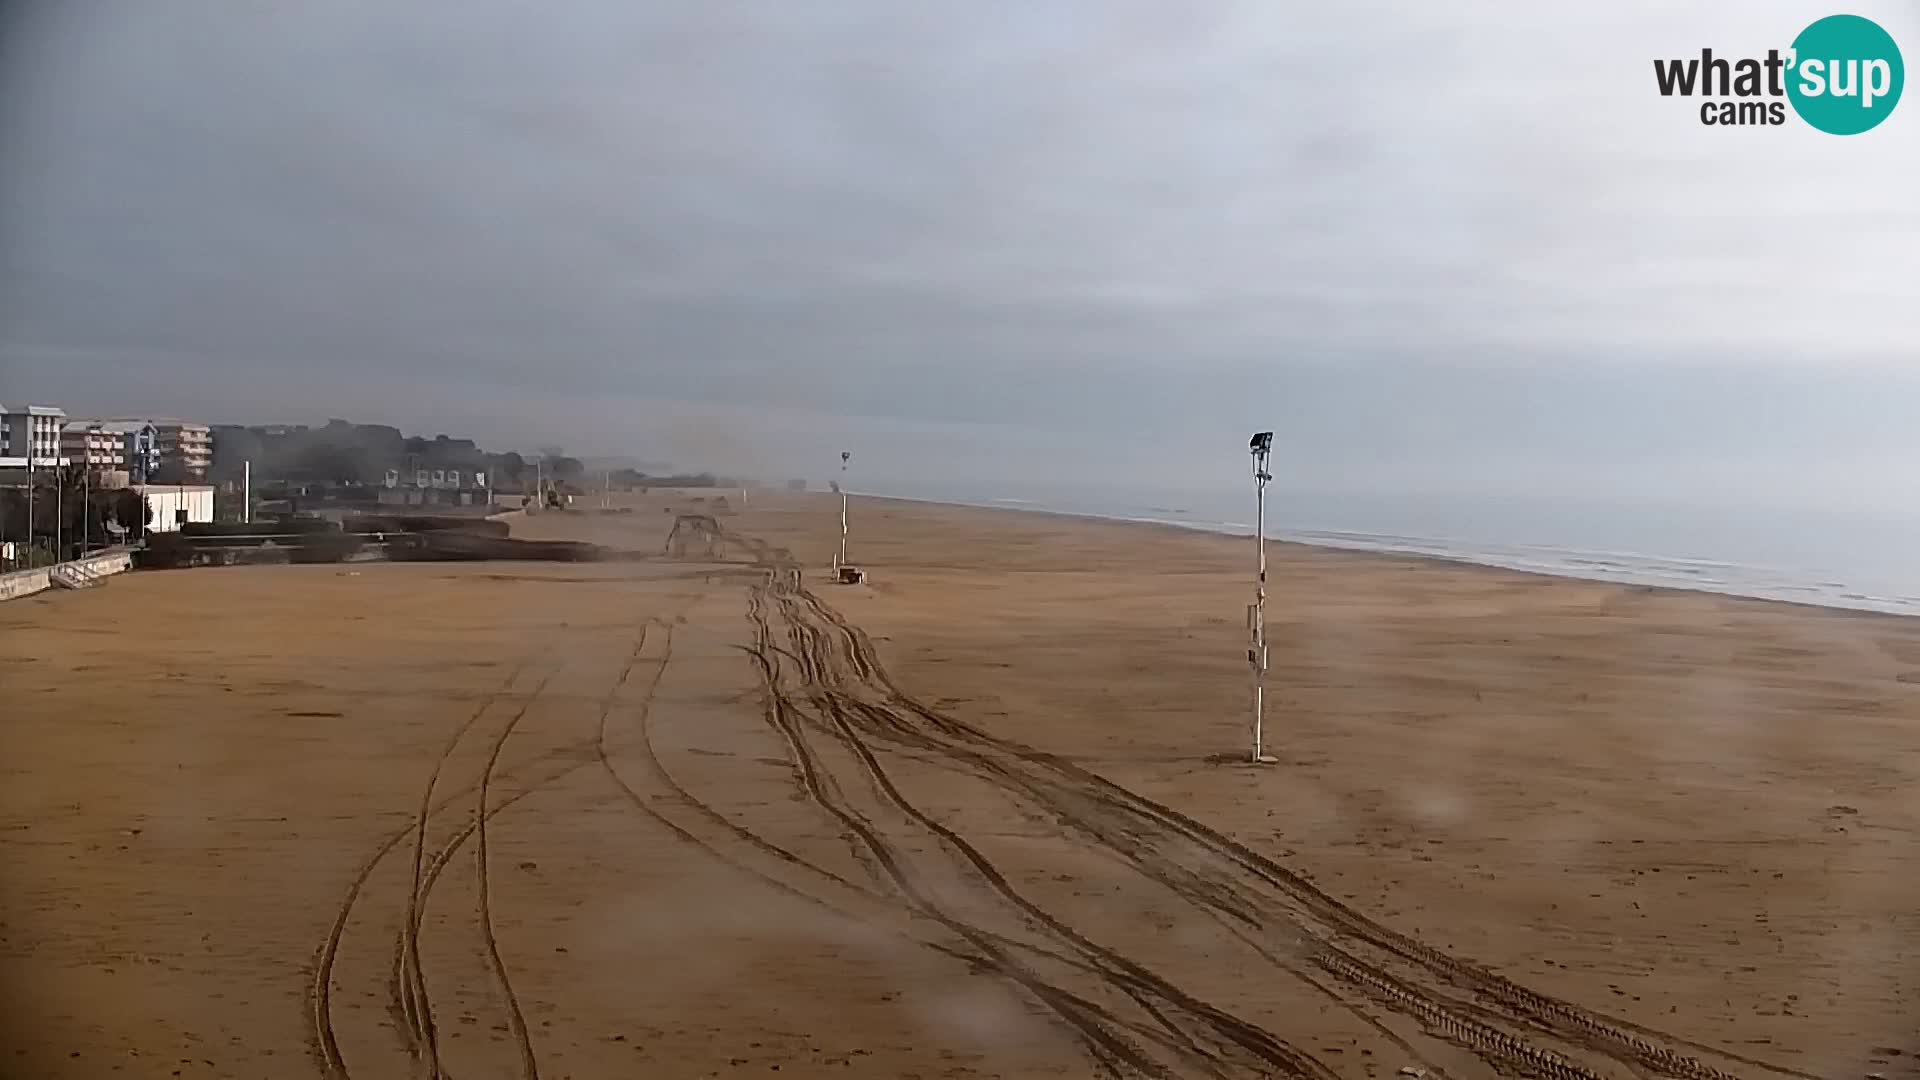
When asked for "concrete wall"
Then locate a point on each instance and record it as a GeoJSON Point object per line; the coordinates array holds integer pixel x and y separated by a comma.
{"type": "Point", "coordinates": [27, 582]}
{"type": "Point", "coordinates": [22, 583]}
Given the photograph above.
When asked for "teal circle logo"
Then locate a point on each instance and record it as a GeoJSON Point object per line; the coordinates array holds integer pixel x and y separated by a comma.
{"type": "Point", "coordinates": [1846, 75]}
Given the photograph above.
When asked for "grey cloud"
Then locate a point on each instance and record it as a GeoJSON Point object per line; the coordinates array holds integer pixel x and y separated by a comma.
{"type": "Point", "coordinates": [1416, 238]}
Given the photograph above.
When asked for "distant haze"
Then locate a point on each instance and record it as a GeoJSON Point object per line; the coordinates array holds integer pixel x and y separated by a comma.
{"type": "Point", "coordinates": [1440, 248]}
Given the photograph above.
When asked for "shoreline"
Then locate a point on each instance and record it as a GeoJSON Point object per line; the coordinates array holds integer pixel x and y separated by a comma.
{"type": "Point", "coordinates": [1908, 608]}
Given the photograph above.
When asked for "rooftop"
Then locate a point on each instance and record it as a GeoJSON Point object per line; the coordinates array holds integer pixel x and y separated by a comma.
{"type": "Point", "coordinates": [110, 427]}
{"type": "Point", "coordinates": [161, 421]}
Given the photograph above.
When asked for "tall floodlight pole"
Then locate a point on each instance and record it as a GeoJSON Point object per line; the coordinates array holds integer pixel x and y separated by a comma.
{"type": "Point", "coordinates": [845, 456]}
{"type": "Point", "coordinates": [1261, 445]}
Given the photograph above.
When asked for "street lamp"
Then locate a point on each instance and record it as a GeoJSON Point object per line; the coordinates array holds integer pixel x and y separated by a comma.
{"type": "Point", "coordinates": [840, 560]}
{"type": "Point", "coordinates": [1261, 445]}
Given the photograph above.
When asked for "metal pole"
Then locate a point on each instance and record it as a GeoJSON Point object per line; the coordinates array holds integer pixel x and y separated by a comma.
{"type": "Point", "coordinates": [86, 509]}
{"type": "Point", "coordinates": [842, 560]}
{"type": "Point", "coordinates": [1257, 652]}
{"type": "Point", "coordinates": [1259, 616]}
{"type": "Point", "coordinates": [246, 493]}
{"type": "Point", "coordinates": [59, 509]}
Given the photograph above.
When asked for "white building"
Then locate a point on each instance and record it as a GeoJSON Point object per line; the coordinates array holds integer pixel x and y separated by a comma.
{"type": "Point", "coordinates": [184, 445]}
{"type": "Point", "coordinates": [174, 505]}
{"type": "Point", "coordinates": [112, 446]}
{"type": "Point", "coordinates": [177, 444]}
{"type": "Point", "coordinates": [30, 430]}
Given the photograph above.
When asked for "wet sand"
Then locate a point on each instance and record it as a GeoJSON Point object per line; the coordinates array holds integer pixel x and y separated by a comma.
{"type": "Point", "coordinates": [690, 817]}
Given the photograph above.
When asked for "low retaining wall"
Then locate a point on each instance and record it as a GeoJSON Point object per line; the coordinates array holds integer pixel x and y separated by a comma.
{"type": "Point", "coordinates": [27, 582]}
{"type": "Point", "coordinates": [22, 583]}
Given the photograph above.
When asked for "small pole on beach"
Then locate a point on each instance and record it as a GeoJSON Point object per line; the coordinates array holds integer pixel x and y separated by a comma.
{"type": "Point", "coordinates": [1261, 445]}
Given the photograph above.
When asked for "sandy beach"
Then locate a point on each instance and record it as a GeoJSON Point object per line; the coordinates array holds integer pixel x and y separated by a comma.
{"type": "Point", "coordinates": [714, 816]}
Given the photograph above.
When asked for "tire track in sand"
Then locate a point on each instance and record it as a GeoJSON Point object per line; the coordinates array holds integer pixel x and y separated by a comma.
{"type": "Point", "coordinates": [807, 658]}
{"type": "Point", "coordinates": [409, 999]}
{"type": "Point", "coordinates": [1630, 1043]}
{"type": "Point", "coordinates": [451, 846]}
{"type": "Point", "coordinates": [1080, 1015]}
{"type": "Point", "coordinates": [1066, 1000]}
{"type": "Point", "coordinates": [1109, 1051]}
{"type": "Point", "coordinates": [408, 985]}
{"type": "Point", "coordinates": [516, 1020]}
{"type": "Point", "coordinates": [1435, 1013]}
{"type": "Point", "coordinates": [683, 796]}
{"type": "Point", "coordinates": [1117, 971]}
{"type": "Point", "coordinates": [320, 990]}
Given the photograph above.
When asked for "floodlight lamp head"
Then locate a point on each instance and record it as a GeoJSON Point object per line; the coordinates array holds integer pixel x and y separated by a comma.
{"type": "Point", "coordinates": [1261, 442]}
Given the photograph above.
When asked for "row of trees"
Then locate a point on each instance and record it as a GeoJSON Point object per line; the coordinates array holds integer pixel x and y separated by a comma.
{"type": "Point", "coordinates": [64, 509]}
{"type": "Point", "coordinates": [344, 454]}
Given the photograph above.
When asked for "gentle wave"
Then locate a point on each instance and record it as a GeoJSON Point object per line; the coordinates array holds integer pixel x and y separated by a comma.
{"type": "Point", "coordinates": [1699, 575]}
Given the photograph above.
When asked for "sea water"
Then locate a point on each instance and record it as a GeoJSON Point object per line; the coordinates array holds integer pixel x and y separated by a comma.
{"type": "Point", "coordinates": [1861, 559]}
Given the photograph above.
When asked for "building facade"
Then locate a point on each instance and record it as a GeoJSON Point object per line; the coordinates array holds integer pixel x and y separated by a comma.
{"type": "Point", "coordinates": [188, 447]}
{"type": "Point", "coordinates": [30, 435]}
{"type": "Point", "coordinates": [435, 486]}
{"type": "Point", "coordinates": [101, 446]}
{"type": "Point", "coordinates": [174, 505]}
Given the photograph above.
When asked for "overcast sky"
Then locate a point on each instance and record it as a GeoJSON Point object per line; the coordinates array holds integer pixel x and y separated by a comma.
{"type": "Point", "coordinates": [1438, 247]}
